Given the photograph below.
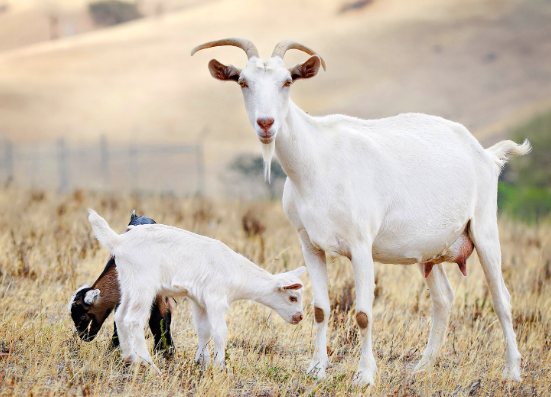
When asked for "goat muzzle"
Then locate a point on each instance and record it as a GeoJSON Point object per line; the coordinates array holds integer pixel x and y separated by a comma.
{"type": "Point", "coordinates": [297, 318]}
{"type": "Point", "coordinates": [265, 124]}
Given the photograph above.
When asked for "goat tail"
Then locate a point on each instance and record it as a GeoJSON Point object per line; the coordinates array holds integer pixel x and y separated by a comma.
{"type": "Point", "coordinates": [105, 235]}
{"type": "Point", "coordinates": [501, 151]}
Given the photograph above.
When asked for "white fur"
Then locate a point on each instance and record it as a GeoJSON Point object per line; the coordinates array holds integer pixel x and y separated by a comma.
{"type": "Point", "coordinates": [91, 296]}
{"type": "Point", "coordinates": [268, 150]}
{"type": "Point", "coordinates": [397, 190]}
{"type": "Point", "coordinates": [160, 259]}
{"type": "Point", "coordinates": [72, 300]}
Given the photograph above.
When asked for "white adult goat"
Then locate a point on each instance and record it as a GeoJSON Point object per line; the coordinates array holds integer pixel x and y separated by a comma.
{"type": "Point", "coordinates": [159, 259]}
{"type": "Point", "coordinates": [406, 189]}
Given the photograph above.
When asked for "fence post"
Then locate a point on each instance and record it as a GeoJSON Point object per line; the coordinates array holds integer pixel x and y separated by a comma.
{"type": "Point", "coordinates": [8, 160]}
{"type": "Point", "coordinates": [201, 161]}
{"type": "Point", "coordinates": [62, 165]}
{"type": "Point", "coordinates": [200, 170]}
{"type": "Point", "coordinates": [104, 158]}
{"type": "Point", "coordinates": [133, 164]}
{"type": "Point", "coordinates": [35, 159]}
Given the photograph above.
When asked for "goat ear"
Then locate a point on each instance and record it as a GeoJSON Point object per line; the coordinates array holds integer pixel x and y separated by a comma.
{"type": "Point", "coordinates": [91, 296]}
{"type": "Point", "coordinates": [222, 72]}
{"type": "Point", "coordinates": [298, 271]}
{"type": "Point", "coordinates": [307, 69]}
{"type": "Point", "coordinates": [72, 301]}
{"type": "Point", "coordinates": [293, 286]}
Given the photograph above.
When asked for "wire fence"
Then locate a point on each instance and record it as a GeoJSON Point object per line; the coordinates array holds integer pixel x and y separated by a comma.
{"type": "Point", "coordinates": [177, 169]}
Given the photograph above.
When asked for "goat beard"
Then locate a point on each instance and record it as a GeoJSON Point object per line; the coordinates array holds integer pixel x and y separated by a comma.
{"type": "Point", "coordinates": [268, 150]}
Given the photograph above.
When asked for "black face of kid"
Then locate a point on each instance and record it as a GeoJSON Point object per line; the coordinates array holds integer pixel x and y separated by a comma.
{"type": "Point", "coordinates": [85, 322]}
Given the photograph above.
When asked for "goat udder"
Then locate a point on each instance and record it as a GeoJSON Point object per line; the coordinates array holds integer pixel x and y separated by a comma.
{"type": "Point", "coordinates": [459, 252]}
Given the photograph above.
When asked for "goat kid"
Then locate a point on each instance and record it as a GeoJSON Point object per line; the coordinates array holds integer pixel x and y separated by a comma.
{"type": "Point", "coordinates": [89, 307]}
{"type": "Point", "coordinates": [160, 259]}
{"type": "Point", "coordinates": [403, 190]}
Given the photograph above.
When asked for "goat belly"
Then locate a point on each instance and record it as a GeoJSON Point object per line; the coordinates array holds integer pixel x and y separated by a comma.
{"type": "Point", "coordinates": [458, 253]}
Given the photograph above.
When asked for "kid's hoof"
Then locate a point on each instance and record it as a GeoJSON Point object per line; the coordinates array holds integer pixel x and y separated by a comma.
{"type": "Point", "coordinates": [157, 370]}
{"type": "Point", "coordinates": [512, 373]}
{"type": "Point", "coordinates": [423, 365]}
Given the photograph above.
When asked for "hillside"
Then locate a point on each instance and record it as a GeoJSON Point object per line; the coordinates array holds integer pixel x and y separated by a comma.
{"type": "Point", "coordinates": [27, 22]}
{"type": "Point", "coordinates": [481, 63]}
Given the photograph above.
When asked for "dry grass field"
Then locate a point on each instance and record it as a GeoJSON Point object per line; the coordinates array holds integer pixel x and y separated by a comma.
{"type": "Point", "coordinates": [48, 251]}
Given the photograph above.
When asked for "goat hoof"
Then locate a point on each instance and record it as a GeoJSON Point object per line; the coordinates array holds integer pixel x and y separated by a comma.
{"type": "Point", "coordinates": [317, 370]}
{"type": "Point", "coordinates": [422, 366]}
{"type": "Point", "coordinates": [363, 378]}
{"type": "Point", "coordinates": [512, 373]}
{"type": "Point", "coordinates": [156, 369]}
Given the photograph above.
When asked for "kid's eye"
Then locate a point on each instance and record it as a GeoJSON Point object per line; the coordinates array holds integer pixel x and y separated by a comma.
{"type": "Point", "coordinates": [288, 83]}
{"type": "Point", "coordinates": [242, 83]}
{"type": "Point", "coordinates": [293, 298]}
{"type": "Point", "coordinates": [83, 317]}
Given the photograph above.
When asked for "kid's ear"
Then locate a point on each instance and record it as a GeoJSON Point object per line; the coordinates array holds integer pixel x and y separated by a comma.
{"type": "Point", "coordinates": [298, 271]}
{"type": "Point", "coordinates": [222, 72]}
{"type": "Point", "coordinates": [91, 296]}
{"type": "Point", "coordinates": [283, 285]}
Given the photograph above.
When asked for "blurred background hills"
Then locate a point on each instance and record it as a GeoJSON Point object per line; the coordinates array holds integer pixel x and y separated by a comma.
{"type": "Point", "coordinates": [68, 71]}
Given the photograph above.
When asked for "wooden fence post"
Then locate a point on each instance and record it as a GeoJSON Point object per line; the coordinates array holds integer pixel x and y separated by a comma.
{"type": "Point", "coordinates": [200, 171]}
{"type": "Point", "coordinates": [8, 160]}
{"type": "Point", "coordinates": [62, 165]}
{"type": "Point", "coordinates": [133, 164]}
{"type": "Point", "coordinates": [104, 158]}
{"type": "Point", "coordinates": [201, 161]}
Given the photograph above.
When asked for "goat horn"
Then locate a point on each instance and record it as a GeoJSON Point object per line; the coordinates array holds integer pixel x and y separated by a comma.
{"type": "Point", "coordinates": [282, 47]}
{"type": "Point", "coordinates": [245, 45]}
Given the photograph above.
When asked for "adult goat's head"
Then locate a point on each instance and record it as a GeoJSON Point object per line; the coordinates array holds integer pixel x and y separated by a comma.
{"type": "Point", "coordinates": [265, 85]}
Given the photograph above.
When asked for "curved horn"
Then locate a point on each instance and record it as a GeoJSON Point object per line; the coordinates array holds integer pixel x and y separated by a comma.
{"type": "Point", "coordinates": [282, 47]}
{"type": "Point", "coordinates": [245, 45]}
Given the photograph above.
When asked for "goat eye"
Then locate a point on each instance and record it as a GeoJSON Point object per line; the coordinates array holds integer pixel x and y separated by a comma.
{"type": "Point", "coordinates": [293, 298]}
{"type": "Point", "coordinates": [288, 83]}
{"type": "Point", "coordinates": [242, 83]}
{"type": "Point", "coordinates": [83, 317]}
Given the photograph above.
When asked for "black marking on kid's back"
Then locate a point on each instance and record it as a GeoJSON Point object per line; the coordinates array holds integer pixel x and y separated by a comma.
{"type": "Point", "coordinates": [107, 268]}
{"type": "Point", "coordinates": [140, 220]}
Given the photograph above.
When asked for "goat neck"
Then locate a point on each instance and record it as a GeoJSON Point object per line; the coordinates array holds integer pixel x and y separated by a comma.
{"type": "Point", "coordinates": [297, 142]}
{"type": "Point", "coordinates": [108, 284]}
{"type": "Point", "coordinates": [254, 282]}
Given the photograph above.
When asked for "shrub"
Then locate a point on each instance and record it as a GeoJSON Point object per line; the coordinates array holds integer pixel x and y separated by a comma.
{"type": "Point", "coordinates": [525, 188]}
{"type": "Point", "coordinates": [528, 203]}
{"type": "Point", "coordinates": [113, 12]}
{"type": "Point", "coordinates": [250, 168]}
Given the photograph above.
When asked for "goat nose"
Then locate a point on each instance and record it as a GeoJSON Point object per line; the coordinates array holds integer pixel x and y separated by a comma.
{"type": "Point", "coordinates": [265, 123]}
{"type": "Point", "coordinates": [297, 318]}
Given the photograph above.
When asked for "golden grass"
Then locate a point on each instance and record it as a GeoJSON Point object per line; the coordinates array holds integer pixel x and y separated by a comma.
{"type": "Point", "coordinates": [48, 251]}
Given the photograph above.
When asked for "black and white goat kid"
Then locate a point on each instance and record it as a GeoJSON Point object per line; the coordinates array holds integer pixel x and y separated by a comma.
{"type": "Point", "coordinates": [89, 307]}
